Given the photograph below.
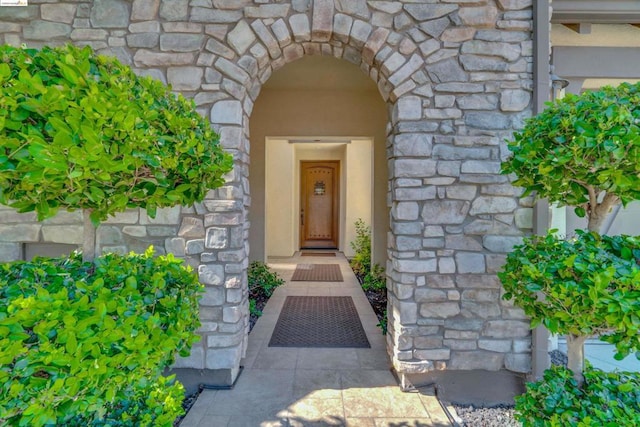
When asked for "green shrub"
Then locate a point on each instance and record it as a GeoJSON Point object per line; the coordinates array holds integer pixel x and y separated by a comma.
{"type": "Point", "coordinates": [361, 261]}
{"type": "Point", "coordinates": [590, 284]}
{"type": "Point", "coordinates": [262, 280]}
{"type": "Point", "coordinates": [82, 131]}
{"type": "Point", "coordinates": [375, 279]}
{"type": "Point", "coordinates": [86, 343]}
{"type": "Point", "coordinates": [606, 399]}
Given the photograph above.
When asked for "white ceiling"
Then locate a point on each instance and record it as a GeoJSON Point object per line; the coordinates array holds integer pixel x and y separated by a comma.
{"type": "Point", "coordinates": [320, 73]}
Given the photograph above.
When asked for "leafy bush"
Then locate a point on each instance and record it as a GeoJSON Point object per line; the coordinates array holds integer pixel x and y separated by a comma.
{"type": "Point", "coordinates": [86, 343]}
{"type": "Point", "coordinates": [81, 131]}
{"type": "Point", "coordinates": [262, 280]}
{"type": "Point", "coordinates": [606, 399]}
{"type": "Point", "coordinates": [262, 283]}
{"type": "Point", "coordinates": [375, 279]}
{"type": "Point", "coordinates": [583, 287]}
{"type": "Point", "coordinates": [361, 261]}
{"type": "Point", "coordinates": [582, 151]}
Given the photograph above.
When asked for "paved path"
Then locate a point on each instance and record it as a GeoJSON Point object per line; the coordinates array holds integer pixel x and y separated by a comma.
{"type": "Point", "coordinates": [315, 387]}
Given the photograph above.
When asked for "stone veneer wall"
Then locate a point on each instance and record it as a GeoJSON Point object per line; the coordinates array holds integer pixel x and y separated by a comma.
{"type": "Point", "coordinates": [457, 79]}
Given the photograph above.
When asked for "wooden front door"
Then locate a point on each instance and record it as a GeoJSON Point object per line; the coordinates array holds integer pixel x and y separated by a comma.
{"type": "Point", "coordinates": [319, 204]}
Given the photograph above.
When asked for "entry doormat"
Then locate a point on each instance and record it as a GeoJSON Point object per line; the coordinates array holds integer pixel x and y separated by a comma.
{"type": "Point", "coordinates": [317, 273]}
{"type": "Point", "coordinates": [330, 322]}
{"type": "Point", "coordinates": [319, 254]}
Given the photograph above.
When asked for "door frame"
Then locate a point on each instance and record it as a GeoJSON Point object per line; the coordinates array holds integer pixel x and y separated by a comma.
{"type": "Point", "coordinates": [336, 204]}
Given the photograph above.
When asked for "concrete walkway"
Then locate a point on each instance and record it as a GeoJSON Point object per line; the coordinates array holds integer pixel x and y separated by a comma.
{"type": "Point", "coordinates": [315, 387]}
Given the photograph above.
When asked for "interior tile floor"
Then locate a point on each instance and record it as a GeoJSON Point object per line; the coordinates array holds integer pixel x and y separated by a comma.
{"type": "Point", "coordinates": [316, 386]}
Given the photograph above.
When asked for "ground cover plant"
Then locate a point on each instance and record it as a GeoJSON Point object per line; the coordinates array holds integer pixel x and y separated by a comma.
{"type": "Point", "coordinates": [262, 282]}
{"type": "Point", "coordinates": [582, 151]}
{"type": "Point", "coordinates": [86, 343]}
{"type": "Point", "coordinates": [372, 278]}
{"type": "Point", "coordinates": [83, 132]}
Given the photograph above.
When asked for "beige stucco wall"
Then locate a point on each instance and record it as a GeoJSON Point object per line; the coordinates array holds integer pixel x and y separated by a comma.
{"type": "Point", "coordinates": [309, 112]}
{"type": "Point", "coordinates": [282, 190]}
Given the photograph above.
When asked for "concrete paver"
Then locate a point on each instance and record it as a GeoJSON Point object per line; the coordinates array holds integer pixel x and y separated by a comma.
{"type": "Point", "coordinates": [315, 386]}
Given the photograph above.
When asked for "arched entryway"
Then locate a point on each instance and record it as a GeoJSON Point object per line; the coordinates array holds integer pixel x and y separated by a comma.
{"type": "Point", "coordinates": [317, 109]}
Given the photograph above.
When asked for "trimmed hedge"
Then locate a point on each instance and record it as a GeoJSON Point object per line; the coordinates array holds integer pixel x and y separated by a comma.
{"type": "Point", "coordinates": [607, 399]}
{"type": "Point", "coordinates": [86, 343]}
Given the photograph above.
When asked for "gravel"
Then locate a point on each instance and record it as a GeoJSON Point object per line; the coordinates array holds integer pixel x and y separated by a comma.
{"type": "Point", "coordinates": [500, 416]}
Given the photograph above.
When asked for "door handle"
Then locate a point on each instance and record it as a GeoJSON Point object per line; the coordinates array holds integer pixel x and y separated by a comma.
{"type": "Point", "coordinates": [302, 216]}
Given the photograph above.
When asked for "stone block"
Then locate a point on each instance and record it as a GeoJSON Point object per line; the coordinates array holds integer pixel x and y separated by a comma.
{"type": "Point", "coordinates": [211, 274]}
{"type": "Point", "coordinates": [195, 360]}
{"type": "Point", "coordinates": [357, 8]}
{"type": "Point", "coordinates": [518, 363]}
{"type": "Point", "coordinates": [446, 265]}
{"type": "Point", "coordinates": [426, 12]}
{"type": "Point", "coordinates": [436, 354]}
{"type": "Point", "coordinates": [514, 4]}
{"type": "Point", "coordinates": [506, 329]}
{"type": "Point", "coordinates": [430, 295]}
{"type": "Point", "coordinates": [483, 310]}
{"type": "Point", "coordinates": [69, 234]}
{"type": "Point", "coordinates": [408, 108]}
{"type": "Point", "coordinates": [499, 346]}
{"type": "Point", "coordinates": [20, 233]}
{"type": "Point", "coordinates": [174, 10]}
{"type": "Point", "coordinates": [414, 64]}
{"type": "Point", "coordinates": [191, 227]}
{"type": "Point", "coordinates": [10, 252]}
{"type": "Point", "coordinates": [213, 296]}
{"type": "Point", "coordinates": [501, 244]}
{"type": "Point", "coordinates": [144, 40]}
{"type": "Point", "coordinates": [147, 58]}
{"type": "Point", "coordinates": [462, 192]}
{"type": "Point", "coordinates": [61, 12]}
{"type": "Point", "coordinates": [142, 10]}
{"type": "Point", "coordinates": [322, 20]}
{"type": "Point", "coordinates": [416, 266]}
{"type": "Point", "coordinates": [135, 230]}
{"type": "Point", "coordinates": [300, 27]}
{"type": "Point", "coordinates": [360, 32]}
{"type": "Point", "coordinates": [163, 216]}
{"type": "Point", "coordinates": [468, 360]}
{"type": "Point", "coordinates": [508, 51]}
{"type": "Point", "coordinates": [463, 335]}
{"type": "Point", "coordinates": [478, 17]}
{"type": "Point", "coordinates": [185, 78]}
{"type": "Point", "coordinates": [21, 13]}
{"type": "Point", "coordinates": [110, 14]}
{"type": "Point", "coordinates": [440, 310]}
{"type": "Point", "coordinates": [462, 242]}
{"type": "Point", "coordinates": [465, 325]}
{"type": "Point", "coordinates": [342, 27]}
{"type": "Point", "coordinates": [447, 71]}
{"type": "Point", "coordinates": [414, 168]}
{"type": "Point", "coordinates": [241, 37]}
{"type": "Point", "coordinates": [175, 245]}
{"type": "Point", "coordinates": [492, 205]}
{"type": "Point", "coordinates": [227, 112]}
{"type": "Point", "coordinates": [514, 99]}
{"type": "Point", "coordinates": [487, 120]}
{"type": "Point", "coordinates": [216, 238]}
{"type": "Point", "coordinates": [412, 144]}
{"type": "Point", "coordinates": [445, 211]}
{"type": "Point", "coordinates": [461, 344]}
{"type": "Point", "coordinates": [224, 358]}
{"type": "Point", "coordinates": [45, 30]}
{"type": "Point", "coordinates": [181, 42]}
{"type": "Point", "coordinates": [469, 262]}
{"type": "Point", "coordinates": [231, 314]}
{"type": "Point", "coordinates": [478, 281]}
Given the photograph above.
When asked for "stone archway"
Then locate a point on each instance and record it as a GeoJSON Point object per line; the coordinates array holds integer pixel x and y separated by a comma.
{"type": "Point", "coordinates": [457, 80]}
{"type": "Point", "coordinates": [453, 215]}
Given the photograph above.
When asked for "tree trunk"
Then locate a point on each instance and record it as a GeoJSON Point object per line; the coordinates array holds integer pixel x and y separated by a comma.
{"type": "Point", "coordinates": [595, 222]}
{"type": "Point", "coordinates": [575, 354]}
{"type": "Point", "coordinates": [89, 233]}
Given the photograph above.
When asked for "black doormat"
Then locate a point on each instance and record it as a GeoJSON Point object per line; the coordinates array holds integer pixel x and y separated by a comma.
{"type": "Point", "coordinates": [317, 273]}
{"type": "Point", "coordinates": [319, 254]}
{"type": "Point", "coordinates": [331, 322]}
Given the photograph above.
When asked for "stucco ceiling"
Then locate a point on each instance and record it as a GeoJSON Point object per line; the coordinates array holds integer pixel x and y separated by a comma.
{"type": "Point", "coordinates": [320, 73]}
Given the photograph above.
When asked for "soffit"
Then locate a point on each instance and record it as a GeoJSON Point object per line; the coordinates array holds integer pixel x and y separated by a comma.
{"type": "Point", "coordinates": [596, 11]}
